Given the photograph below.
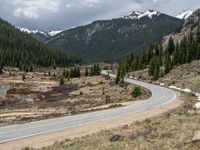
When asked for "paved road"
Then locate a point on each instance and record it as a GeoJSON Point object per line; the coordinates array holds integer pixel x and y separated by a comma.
{"type": "Point", "coordinates": [160, 96]}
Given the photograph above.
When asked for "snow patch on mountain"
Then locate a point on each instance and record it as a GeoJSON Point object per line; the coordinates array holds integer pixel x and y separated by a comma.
{"type": "Point", "coordinates": [185, 14]}
{"type": "Point", "coordinates": [52, 33]}
{"type": "Point", "coordinates": [138, 15]}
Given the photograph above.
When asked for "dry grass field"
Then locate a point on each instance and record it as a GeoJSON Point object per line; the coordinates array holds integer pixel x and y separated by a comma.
{"type": "Point", "coordinates": [40, 96]}
{"type": "Point", "coordinates": [172, 130]}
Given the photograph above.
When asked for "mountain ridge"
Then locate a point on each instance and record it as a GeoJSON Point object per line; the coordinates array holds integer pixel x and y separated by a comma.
{"type": "Point", "coordinates": [105, 40]}
{"type": "Point", "coordinates": [38, 34]}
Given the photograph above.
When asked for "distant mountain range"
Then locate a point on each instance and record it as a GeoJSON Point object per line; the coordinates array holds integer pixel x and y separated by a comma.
{"type": "Point", "coordinates": [109, 40]}
{"type": "Point", "coordinates": [39, 35]}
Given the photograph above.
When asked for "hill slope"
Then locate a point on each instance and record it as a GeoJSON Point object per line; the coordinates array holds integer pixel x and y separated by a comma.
{"type": "Point", "coordinates": [18, 49]}
{"type": "Point", "coordinates": [109, 40]}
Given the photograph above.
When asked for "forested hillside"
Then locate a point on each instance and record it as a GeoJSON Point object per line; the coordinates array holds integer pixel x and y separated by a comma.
{"type": "Point", "coordinates": [20, 50]}
{"type": "Point", "coordinates": [160, 58]}
{"type": "Point", "coordinates": [110, 40]}
{"type": "Point", "coordinates": [159, 61]}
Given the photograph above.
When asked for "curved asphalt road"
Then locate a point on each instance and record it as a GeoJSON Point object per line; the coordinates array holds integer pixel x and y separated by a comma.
{"type": "Point", "coordinates": [160, 96]}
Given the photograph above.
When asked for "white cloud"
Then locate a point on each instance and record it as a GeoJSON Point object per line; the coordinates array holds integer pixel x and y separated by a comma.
{"type": "Point", "coordinates": [82, 3]}
{"type": "Point", "coordinates": [33, 8]}
{"type": "Point", "coordinates": [62, 14]}
{"type": "Point", "coordinates": [68, 5]}
{"type": "Point", "coordinates": [30, 12]}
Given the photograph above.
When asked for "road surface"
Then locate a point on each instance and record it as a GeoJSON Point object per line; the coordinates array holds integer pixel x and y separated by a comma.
{"type": "Point", "coordinates": [160, 97]}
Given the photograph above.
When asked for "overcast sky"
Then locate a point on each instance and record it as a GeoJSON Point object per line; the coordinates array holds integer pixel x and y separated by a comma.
{"type": "Point", "coordinates": [63, 14]}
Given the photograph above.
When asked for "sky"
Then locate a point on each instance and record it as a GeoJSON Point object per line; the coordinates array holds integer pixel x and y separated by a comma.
{"type": "Point", "coordinates": [49, 15]}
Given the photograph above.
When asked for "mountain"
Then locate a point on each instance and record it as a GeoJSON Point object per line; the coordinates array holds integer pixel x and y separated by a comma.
{"type": "Point", "coordinates": [191, 25]}
{"type": "Point", "coordinates": [18, 49]}
{"type": "Point", "coordinates": [159, 59]}
{"type": "Point", "coordinates": [185, 14]}
{"type": "Point", "coordinates": [110, 40]}
{"type": "Point", "coordinates": [39, 35]}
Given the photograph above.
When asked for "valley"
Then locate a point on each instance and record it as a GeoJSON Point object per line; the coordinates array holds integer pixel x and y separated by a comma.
{"type": "Point", "coordinates": [125, 82]}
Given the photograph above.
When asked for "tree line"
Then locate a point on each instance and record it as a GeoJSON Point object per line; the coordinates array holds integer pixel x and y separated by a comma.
{"type": "Point", "coordinates": [160, 61]}
{"type": "Point", "coordinates": [75, 72]}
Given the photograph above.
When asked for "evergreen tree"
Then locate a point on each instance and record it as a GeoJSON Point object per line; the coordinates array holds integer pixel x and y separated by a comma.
{"type": "Point", "coordinates": [198, 34]}
{"type": "Point", "coordinates": [171, 46]}
{"type": "Point", "coordinates": [151, 67]}
{"type": "Point", "coordinates": [176, 55]}
{"type": "Point", "coordinates": [23, 77]}
{"type": "Point", "coordinates": [61, 82]}
{"type": "Point", "coordinates": [156, 69]}
{"type": "Point", "coordinates": [198, 52]}
{"type": "Point", "coordinates": [86, 72]}
{"type": "Point", "coordinates": [162, 73]}
{"type": "Point", "coordinates": [167, 63]}
{"type": "Point", "coordinates": [118, 74]}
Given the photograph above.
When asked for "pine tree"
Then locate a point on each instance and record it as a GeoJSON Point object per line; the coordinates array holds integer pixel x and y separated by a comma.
{"type": "Point", "coordinates": [161, 55]}
{"type": "Point", "coordinates": [198, 52]}
{"type": "Point", "coordinates": [61, 82]}
{"type": "Point", "coordinates": [198, 34]}
{"type": "Point", "coordinates": [167, 63]}
{"type": "Point", "coordinates": [151, 67]}
{"type": "Point", "coordinates": [118, 74]}
{"type": "Point", "coordinates": [1, 70]}
{"type": "Point", "coordinates": [23, 77]}
{"type": "Point", "coordinates": [86, 72]}
{"type": "Point", "coordinates": [31, 68]}
{"type": "Point", "coordinates": [67, 74]}
{"type": "Point", "coordinates": [64, 72]}
{"type": "Point", "coordinates": [156, 69]}
{"type": "Point", "coordinates": [176, 55]}
{"type": "Point", "coordinates": [98, 71]}
{"type": "Point", "coordinates": [162, 73]}
{"type": "Point", "coordinates": [157, 51]}
{"type": "Point", "coordinates": [171, 46]}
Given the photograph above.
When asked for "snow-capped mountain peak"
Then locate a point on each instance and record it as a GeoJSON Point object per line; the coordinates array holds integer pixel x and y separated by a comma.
{"type": "Point", "coordinates": [25, 30]}
{"type": "Point", "coordinates": [138, 15]}
{"type": "Point", "coordinates": [185, 14]}
{"type": "Point", "coordinates": [47, 34]}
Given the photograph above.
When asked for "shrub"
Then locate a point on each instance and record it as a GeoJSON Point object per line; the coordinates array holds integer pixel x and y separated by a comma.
{"type": "Point", "coordinates": [107, 99]}
{"type": "Point", "coordinates": [136, 92]}
{"type": "Point", "coordinates": [62, 81]}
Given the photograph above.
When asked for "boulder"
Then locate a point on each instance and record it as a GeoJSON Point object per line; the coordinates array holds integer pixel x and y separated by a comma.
{"type": "Point", "coordinates": [196, 136]}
